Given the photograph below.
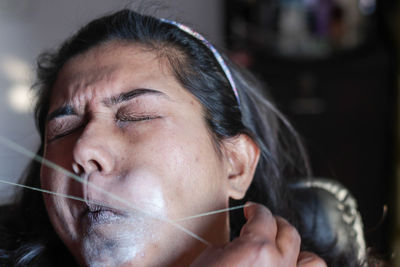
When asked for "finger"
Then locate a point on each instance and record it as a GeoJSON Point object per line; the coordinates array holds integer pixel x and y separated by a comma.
{"type": "Point", "coordinates": [287, 240]}
{"type": "Point", "coordinates": [260, 223]}
{"type": "Point", "coordinates": [309, 259]}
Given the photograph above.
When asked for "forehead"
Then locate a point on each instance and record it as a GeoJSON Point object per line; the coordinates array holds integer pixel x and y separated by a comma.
{"type": "Point", "coordinates": [112, 68]}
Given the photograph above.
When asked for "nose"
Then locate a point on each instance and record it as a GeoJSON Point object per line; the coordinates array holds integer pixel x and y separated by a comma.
{"type": "Point", "coordinates": [92, 151]}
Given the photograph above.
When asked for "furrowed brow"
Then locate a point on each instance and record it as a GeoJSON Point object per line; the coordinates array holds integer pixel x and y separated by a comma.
{"type": "Point", "coordinates": [131, 95]}
{"type": "Point", "coordinates": [123, 97]}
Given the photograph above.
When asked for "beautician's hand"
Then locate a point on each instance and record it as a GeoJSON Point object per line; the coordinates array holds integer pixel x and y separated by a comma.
{"type": "Point", "coordinates": [265, 240]}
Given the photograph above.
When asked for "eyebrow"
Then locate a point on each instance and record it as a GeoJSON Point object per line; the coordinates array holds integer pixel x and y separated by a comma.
{"type": "Point", "coordinates": [111, 101]}
{"type": "Point", "coordinates": [123, 97]}
{"type": "Point", "coordinates": [60, 112]}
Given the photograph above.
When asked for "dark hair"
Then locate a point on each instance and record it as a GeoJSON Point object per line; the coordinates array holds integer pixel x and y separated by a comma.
{"type": "Point", "coordinates": [282, 158]}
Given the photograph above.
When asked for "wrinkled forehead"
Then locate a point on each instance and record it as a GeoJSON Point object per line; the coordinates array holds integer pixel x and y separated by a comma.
{"type": "Point", "coordinates": [112, 67]}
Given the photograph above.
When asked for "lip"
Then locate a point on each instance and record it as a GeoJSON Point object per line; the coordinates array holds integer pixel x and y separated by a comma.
{"type": "Point", "coordinates": [94, 214]}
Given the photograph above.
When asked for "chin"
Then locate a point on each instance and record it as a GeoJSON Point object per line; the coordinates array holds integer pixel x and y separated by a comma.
{"type": "Point", "coordinates": [109, 238]}
{"type": "Point", "coordinates": [115, 245]}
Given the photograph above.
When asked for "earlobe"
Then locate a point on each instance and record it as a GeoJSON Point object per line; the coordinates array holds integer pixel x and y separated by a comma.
{"type": "Point", "coordinates": [242, 155]}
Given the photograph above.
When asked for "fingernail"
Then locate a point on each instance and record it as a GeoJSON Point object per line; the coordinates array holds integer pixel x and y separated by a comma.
{"type": "Point", "coordinates": [306, 259]}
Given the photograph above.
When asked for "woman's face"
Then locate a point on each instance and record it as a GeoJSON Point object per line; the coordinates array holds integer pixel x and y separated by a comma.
{"type": "Point", "coordinates": [118, 115]}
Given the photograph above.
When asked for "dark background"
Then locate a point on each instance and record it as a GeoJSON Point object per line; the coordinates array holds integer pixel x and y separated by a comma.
{"type": "Point", "coordinates": [342, 99]}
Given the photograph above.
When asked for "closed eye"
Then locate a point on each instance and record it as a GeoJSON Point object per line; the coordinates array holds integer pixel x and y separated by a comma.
{"type": "Point", "coordinates": [61, 127]}
{"type": "Point", "coordinates": [126, 118]}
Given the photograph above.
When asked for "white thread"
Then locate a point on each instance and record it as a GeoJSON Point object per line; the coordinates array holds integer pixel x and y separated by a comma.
{"type": "Point", "coordinates": [50, 164]}
{"type": "Point", "coordinates": [69, 174]}
{"type": "Point", "coordinates": [26, 152]}
{"type": "Point", "coordinates": [51, 192]}
{"type": "Point", "coordinates": [92, 202]}
{"type": "Point", "coordinates": [213, 212]}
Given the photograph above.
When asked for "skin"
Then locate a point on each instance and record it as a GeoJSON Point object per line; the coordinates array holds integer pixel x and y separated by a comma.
{"type": "Point", "coordinates": [161, 161]}
{"type": "Point", "coordinates": [265, 240]}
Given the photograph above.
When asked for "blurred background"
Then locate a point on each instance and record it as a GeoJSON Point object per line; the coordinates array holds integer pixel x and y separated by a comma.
{"type": "Point", "coordinates": [330, 65]}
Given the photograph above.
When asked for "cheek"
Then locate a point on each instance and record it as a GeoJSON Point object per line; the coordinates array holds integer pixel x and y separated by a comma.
{"type": "Point", "coordinates": [58, 207]}
{"type": "Point", "coordinates": [56, 181]}
{"type": "Point", "coordinates": [183, 174]}
{"type": "Point", "coordinates": [142, 189]}
{"type": "Point", "coordinates": [52, 173]}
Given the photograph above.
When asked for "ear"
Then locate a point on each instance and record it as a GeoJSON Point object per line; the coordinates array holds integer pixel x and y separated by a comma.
{"type": "Point", "coordinates": [241, 154]}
